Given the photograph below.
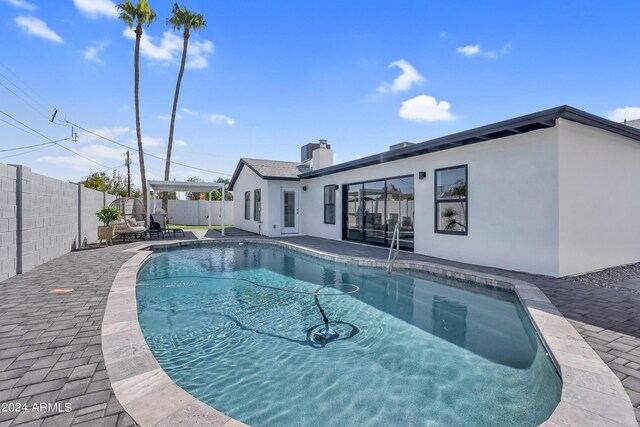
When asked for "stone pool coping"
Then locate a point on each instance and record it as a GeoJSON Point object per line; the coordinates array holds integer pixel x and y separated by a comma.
{"type": "Point", "coordinates": [591, 393]}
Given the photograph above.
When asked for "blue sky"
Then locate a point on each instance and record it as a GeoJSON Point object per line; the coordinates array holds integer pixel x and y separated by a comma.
{"type": "Point", "coordinates": [265, 78]}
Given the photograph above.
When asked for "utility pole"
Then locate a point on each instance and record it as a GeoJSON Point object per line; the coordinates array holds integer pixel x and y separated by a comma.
{"type": "Point", "coordinates": [128, 162]}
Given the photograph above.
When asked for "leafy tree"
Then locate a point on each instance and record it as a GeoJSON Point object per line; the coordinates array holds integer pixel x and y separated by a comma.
{"type": "Point", "coordinates": [115, 184]}
{"type": "Point", "coordinates": [192, 195]}
{"type": "Point", "coordinates": [181, 19]}
{"type": "Point", "coordinates": [137, 15]}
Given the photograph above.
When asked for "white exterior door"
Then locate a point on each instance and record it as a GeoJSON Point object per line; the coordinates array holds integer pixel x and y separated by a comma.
{"type": "Point", "coordinates": [289, 207]}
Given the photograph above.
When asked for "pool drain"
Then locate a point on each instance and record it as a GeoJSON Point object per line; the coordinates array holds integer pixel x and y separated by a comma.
{"type": "Point", "coordinates": [61, 291]}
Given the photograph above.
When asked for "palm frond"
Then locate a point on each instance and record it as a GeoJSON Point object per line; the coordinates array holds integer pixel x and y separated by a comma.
{"type": "Point", "coordinates": [183, 18]}
{"type": "Point", "coordinates": [127, 12]}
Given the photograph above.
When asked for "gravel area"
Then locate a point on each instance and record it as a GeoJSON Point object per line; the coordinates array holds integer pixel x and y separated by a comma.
{"type": "Point", "coordinates": [609, 277]}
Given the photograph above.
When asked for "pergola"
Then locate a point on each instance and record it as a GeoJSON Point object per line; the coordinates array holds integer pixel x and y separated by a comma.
{"type": "Point", "coordinates": [196, 187]}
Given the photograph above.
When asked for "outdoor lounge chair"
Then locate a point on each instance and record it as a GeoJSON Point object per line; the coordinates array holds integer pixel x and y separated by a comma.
{"type": "Point", "coordinates": [129, 227]}
{"type": "Point", "coordinates": [155, 228]}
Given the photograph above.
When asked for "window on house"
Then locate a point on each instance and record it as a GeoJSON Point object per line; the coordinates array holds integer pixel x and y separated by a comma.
{"type": "Point", "coordinates": [247, 205]}
{"type": "Point", "coordinates": [329, 204]}
{"type": "Point", "coordinates": [451, 210]}
{"type": "Point", "coordinates": [256, 205]}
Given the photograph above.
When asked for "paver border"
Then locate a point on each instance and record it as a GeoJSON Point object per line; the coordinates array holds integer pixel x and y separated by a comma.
{"type": "Point", "coordinates": [591, 393]}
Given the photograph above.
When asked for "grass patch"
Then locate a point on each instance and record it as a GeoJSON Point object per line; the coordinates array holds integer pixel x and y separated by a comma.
{"type": "Point", "coordinates": [196, 227]}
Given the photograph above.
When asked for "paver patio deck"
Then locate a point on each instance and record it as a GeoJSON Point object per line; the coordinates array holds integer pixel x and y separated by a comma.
{"type": "Point", "coordinates": [50, 344]}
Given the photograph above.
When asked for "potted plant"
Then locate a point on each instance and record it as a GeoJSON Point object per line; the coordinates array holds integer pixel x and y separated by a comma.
{"type": "Point", "coordinates": [106, 215]}
{"type": "Point", "coordinates": [450, 214]}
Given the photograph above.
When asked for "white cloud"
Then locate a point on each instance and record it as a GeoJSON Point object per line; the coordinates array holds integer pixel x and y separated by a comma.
{"type": "Point", "coordinates": [443, 35]}
{"type": "Point", "coordinates": [98, 153]}
{"type": "Point", "coordinates": [625, 113]}
{"type": "Point", "coordinates": [469, 50]}
{"type": "Point", "coordinates": [475, 50]}
{"type": "Point", "coordinates": [110, 133]}
{"type": "Point", "coordinates": [197, 54]}
{"type": "Point", "coordinates": [214, 118]}
{"type": "Point", "coordinates": [150, 141]}
{"type": "Point", "coordinates": [222, 119]}
{"type": "Point", "coordinates": [404, 81]}
{"type": "Point", "coordinates": [22, 4]}
{"type": "Point", "coordinates": [37, 27]}
{"type": "Point", "coordinates": [92, 51]}
{"type": "Point", "coordinates": [424, 108]}
{"type": "Point", "coordinates": [124, 107]}
{"type": "Point", "coordinates": [180, 142]}
{"type": "Point", "coordinates": [168, 116]}
{"type": "Point", "coordinates": [163, 51]}
{"type": "Point", "coordinates": [168, 49]}
{"type": "Point", "coordinates": [96, 8]}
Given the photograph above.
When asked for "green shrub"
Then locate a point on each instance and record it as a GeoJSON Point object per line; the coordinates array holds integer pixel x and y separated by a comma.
{"type": "Point", "coordinates": [107, 214]}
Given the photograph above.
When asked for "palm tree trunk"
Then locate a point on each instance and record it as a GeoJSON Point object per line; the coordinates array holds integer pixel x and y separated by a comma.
{"type": "Point", "coordinates": [136, 61]}
{"type": "Point", "coordinates": [165, 198]}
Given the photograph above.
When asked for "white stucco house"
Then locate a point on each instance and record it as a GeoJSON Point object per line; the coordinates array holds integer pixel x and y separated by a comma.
{"type": "Point", "coordinates": [555, 192]}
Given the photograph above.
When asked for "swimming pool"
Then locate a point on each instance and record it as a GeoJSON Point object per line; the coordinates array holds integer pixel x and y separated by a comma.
{"type": "Point", "coordinates": [413, 349]}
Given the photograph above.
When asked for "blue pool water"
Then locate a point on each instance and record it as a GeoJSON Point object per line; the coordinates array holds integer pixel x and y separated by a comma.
{"type": "Point", "coordinates": [413, 350]}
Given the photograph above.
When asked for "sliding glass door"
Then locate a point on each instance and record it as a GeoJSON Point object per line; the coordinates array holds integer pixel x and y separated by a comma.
{"type": "Point", "coordinates": [353, 222]}
{"type": "Point", "coordinates": [374, 212]}
{"type": "Point", "coordinates": [373, 209]}
{"type": "Point", "coordinates": [400, 210]}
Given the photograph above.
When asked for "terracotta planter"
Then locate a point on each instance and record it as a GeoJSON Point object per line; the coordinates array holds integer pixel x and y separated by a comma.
{"type": "Point", "coordinates": [105, 233]}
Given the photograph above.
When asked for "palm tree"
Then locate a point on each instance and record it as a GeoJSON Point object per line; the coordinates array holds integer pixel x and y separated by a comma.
{"type": "Point", "coordinates": [181, 19]}
{"type": "Point", "coordinates": [139, 15]}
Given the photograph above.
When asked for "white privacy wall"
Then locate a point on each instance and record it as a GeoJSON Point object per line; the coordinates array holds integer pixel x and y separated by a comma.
{"type": "Point", "coordinates": [196, 212]}
{"type": "Point", "coordinates": [599, 199]}
{"type": "Point", "coordinates": [512, 202]}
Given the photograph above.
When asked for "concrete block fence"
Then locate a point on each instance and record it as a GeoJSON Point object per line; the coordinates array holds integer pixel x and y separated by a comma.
{"type": "Point", "coordinates": [42, 218]}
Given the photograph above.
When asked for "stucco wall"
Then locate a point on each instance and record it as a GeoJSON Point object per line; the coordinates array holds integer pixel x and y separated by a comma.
{"type": "Point", "coordinates": [196, 212]}
{"type": "Point", "coordinates": [248, 180]}
{"type": "Point", "coordinates": [599, 199]}
{"type": "Point", "coordinates": [512, 202]}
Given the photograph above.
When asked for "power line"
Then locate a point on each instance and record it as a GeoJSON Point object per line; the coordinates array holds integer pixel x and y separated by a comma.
{"type": "Point", "coordinates": [22, 99]}
{"type": "Point", "coordinates": [147, 154]}
{"type": "Point", "coordinates": [17, 127]}
{"type": "Point", "coordinates": [26, 126]}
{"type": "Point", "coordinates": [23, 153]}
{"type": "Point", "coordinates": [29, 146]}
{"type": "Point", "coordinates": [51, 140]}
{"type": "Point", "coordinates": [66, 122]}
{"type": "Point", "coordinates": [47, 109]}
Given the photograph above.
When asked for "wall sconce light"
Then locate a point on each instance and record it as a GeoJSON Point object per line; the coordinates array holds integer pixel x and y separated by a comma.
{"type": "Point", "coordinates": [422, 175]}
{"type": "Point", "coordinates": [304, 188]}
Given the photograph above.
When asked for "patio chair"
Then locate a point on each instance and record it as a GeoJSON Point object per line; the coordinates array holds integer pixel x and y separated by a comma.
{"type": "Point", "coordinates": [129, 227]}
{"type": "Point", "coordinates": [155, 228]}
